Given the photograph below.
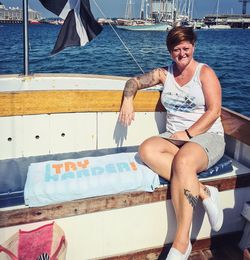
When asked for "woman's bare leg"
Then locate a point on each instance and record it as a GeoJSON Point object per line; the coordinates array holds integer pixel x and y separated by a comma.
{"type": "Point", "coordinates": [183, 164]}
{"type": "Point", "coordinates": [185, 189]}
{"type": "Point", "coordinates": [158, 153]}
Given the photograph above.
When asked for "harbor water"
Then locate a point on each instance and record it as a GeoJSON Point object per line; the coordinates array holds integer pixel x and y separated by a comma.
{"type": "Point", "coordinates": [226, 51]}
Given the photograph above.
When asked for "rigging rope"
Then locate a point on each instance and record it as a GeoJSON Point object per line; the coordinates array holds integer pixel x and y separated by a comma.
{"type": "Point", "coordinates": [123, 43]}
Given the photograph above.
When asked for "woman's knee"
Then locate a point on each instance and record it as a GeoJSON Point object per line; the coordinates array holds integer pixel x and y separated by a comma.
{"type": "Point", "coordinates": [183, 164]}
{"type": "Point", "coordinates": [145, 150]}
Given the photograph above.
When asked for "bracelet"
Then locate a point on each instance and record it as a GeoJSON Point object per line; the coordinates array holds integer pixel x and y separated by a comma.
{"type": "Point", "coordinates": [189, 136]}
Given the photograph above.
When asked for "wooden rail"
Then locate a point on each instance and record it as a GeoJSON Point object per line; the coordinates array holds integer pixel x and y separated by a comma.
{"type": "Point", "coordinates": [70, 101]}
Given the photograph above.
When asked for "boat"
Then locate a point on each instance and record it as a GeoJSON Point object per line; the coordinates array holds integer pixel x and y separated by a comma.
{"type": "Point", "coordinates": [146, 27]}
{"type": "Point", "coordinates": [64, 115]}
{"type": "Point", "coordinates": [41, 110]}
{"type": "Point", "coordinates": [219, 24]}
{"type": "Point", "coordinates": [156, 20]}
{"type": "Point", "coordinates": [34, 21]}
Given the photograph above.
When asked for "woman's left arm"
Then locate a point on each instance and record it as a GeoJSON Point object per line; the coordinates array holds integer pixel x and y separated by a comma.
{"type": "Point", "coordinates": [212, 94]}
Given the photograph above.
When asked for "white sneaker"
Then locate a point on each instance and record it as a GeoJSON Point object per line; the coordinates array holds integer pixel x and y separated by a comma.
{"type": "Point", "coordinates": [175, 254]}
{"type": "Point", "coordinates": [212, 207]}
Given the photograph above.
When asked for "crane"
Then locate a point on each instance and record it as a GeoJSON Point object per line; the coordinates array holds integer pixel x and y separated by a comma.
{"type": "Point", "coordinates": [244, 5]}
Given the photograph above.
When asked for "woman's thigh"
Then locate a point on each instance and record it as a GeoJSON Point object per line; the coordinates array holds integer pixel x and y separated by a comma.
{"type": "Point", "coordinates": [191, 157]}
{"type": "Point", "coordinates": [158, 154]}
{"type": "Point", "coordinates": [159, 144]}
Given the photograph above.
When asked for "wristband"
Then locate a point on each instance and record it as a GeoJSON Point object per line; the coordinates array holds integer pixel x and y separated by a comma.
{"type": "Point", "coordinates": [189, 136]}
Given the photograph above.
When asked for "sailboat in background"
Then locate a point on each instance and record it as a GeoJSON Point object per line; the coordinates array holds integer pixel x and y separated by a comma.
{"type": "Point", "coordinates": [154, 15]}
{"type": "Point", "coordinates": [219, 24]}
{"type": "Point", "coordinates": [159, 15]}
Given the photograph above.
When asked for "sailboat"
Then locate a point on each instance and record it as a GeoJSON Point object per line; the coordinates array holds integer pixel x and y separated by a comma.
{"type": "Point", "coordinates": [47, 117]}
{"type": "Point", "coordinates": [218, 25]}
{"type": "Point", "coordinates": [154, 21]}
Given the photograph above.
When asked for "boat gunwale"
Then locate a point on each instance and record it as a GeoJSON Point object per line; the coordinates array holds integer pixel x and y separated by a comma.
{"type": "Point", "coordinates": [61, 75]}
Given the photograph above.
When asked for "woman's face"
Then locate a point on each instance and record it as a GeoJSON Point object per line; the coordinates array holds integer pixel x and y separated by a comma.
{"type": "Point", "coordinates": [182, 53]}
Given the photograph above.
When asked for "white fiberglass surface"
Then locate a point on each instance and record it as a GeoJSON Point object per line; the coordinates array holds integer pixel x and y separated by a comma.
{"type": "Point", "coordinates": [60, 82]}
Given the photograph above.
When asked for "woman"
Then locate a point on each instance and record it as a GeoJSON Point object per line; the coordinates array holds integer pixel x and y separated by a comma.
{"type": "Point", "coordinates": [192, 98]}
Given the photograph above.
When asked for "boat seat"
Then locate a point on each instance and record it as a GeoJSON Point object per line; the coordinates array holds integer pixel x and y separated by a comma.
{"type": "Point", "coordinates": [224, 165]}
{"type": "Point", "coordinates": [13, 172]}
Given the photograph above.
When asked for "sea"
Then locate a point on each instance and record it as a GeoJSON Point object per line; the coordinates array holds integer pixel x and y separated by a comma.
{"type": "Point", "coordinates": [128, 53]}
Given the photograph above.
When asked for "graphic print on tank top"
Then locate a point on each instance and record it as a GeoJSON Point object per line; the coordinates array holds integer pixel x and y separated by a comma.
{"type": "Point", "coordinates": [178, 102]}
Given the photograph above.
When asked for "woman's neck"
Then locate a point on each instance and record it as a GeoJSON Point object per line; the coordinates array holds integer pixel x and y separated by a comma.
{"type": "Point", "coordinates": [184, 73]}
{"type": "Point", "coordinates": [181, 69]}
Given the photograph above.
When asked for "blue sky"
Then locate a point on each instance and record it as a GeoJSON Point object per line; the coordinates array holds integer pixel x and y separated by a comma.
{"type": "Point", "coordinates": [116, 8]}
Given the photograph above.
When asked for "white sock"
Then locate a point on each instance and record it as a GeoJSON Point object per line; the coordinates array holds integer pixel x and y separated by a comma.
{"type": "Point", "coordinates": [214, 212]}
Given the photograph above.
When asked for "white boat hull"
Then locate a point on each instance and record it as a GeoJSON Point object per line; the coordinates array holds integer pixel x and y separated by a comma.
{"type": "Point", "coordinates": [152, 27]}
{"type": "Point", "coordinates": [111, 225]}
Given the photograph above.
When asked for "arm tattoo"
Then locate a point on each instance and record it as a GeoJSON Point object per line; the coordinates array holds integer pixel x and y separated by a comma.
{"type": "Point", "coordinates": [149, 79]}
{"type": "Point", "coordinates": [144, 81]}
{"type": "Point", "coordinates": [130, 88]}
{"type": "Point", "coordinates": [193, 200]}
{"type": "Point", "coordinates": [207, 191]}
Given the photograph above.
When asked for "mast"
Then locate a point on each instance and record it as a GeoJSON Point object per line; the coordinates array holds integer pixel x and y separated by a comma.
{"type": "Point", "coordinates": [147, 9]}
{"type": "Point", "coordinates": [25, 39]}
{"type": "Point", "coordinates": [128, 13]}
{"type": "Point", "coordinates": [142, 10]}
{"type": "Point", "coordinates": [217, 11]}
{"type": "Point", "coordinates": [173, 11]}
{"type": "Point", "coordinates": [189, 10]}
{"type": "Point", "coordinates": [192, 10]}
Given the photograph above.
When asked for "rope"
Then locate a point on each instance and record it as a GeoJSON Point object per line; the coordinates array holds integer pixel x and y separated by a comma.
{"type": "Point", "coordinates": [123, 43]}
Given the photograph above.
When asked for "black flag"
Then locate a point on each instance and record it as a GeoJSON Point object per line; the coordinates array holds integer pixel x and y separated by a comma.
{"type": "Point", "coordinates": [79, 25]}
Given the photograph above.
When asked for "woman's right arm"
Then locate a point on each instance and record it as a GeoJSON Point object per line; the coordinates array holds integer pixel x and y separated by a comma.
{"type": "Point", "coordinates": [146, 80]}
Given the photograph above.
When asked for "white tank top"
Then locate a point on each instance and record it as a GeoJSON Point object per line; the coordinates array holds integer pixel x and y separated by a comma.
{"type": "Point", "coordinates": [186, 104]}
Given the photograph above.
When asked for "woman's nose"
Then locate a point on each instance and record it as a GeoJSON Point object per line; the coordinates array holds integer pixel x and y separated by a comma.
{"type": "Point", "coordinates": [182, 52]}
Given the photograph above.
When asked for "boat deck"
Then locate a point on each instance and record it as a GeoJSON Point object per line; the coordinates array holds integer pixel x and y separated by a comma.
{"type": "Point", "coordinates": [228, 252]}
{"type": "Point", "coordinates": [217, 248]}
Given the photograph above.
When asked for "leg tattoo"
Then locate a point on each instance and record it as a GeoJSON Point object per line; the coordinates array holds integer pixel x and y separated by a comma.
{"type": "Point", "coordinates": [193, 200]}
{"type": "Point", "coordinates": [207, 191]}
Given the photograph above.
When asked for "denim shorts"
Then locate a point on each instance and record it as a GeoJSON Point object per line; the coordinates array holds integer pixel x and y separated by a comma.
{"type": "Point", "coordinates": [212, 143]}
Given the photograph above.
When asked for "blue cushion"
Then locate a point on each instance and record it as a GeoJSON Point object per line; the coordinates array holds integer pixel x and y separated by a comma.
{"type": "Point", "coordinates": [13, 172]}
{"type": "Point", "coordinates": [224, 165]}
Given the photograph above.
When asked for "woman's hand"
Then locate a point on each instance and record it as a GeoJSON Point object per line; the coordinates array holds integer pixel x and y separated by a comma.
{"type": "Point", "coordinates": [127, 112]}
{"type": "Point", "coordinates": [180, 135]}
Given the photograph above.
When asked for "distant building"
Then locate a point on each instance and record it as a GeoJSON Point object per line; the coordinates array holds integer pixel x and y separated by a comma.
{"type": "Point", "coordinates": [15, 14]}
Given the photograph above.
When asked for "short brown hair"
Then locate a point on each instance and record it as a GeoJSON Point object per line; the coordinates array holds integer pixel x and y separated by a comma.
{"type": "Point", "coordinates": [178, 34]}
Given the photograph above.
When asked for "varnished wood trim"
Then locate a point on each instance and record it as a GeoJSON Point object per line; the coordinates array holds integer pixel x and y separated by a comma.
{"type": "Point", "coordinates": [91, 205]}
{"type": "Point", "coordinates": [236, 125]}
{"type": "Point", "coordinates": [68, 101]}
{"type": "Point", "coordinates": [161, 252]}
